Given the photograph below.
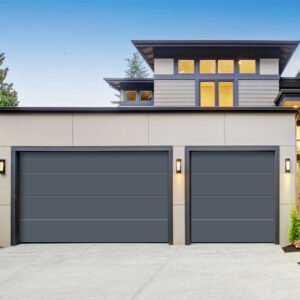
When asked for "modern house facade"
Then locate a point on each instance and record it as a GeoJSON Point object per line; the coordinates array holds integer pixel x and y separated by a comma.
{"type": "Point", "coordinates": [204, 152]}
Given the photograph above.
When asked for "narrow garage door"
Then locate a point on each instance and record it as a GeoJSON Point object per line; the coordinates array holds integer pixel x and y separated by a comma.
{"type": "Point", "coordinates": [93, 197]}
{"type": "Point", "coordinates": [232, 197]}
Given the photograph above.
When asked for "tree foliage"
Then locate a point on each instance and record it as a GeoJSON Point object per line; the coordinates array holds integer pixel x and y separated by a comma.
{"type": "Point", "coordinates": [294, 232]}
{"type": "Point", "coordinates": [135, 67]}
{"type": "Point", "coordinates": [8, 96]}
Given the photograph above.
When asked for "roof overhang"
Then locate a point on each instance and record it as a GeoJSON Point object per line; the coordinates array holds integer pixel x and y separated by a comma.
{"type": "Point", "coordinates": [130, 83]}
{"type": "Point", "coordinates": [288, 98]}
{"type": "Point", "coordinates": [289, 83]}
{"type": "Point", "coordinates": [151, 49]}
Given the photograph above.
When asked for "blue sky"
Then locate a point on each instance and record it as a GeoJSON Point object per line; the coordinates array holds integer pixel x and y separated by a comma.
{"type": "Point", "coordinates": [58, 51]}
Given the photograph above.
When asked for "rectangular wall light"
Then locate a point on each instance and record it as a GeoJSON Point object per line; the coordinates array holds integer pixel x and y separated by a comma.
{"type": "Point", "coordinates": [287, 165]}
{"type": "Point", "coordinates": [178, 165]}
{"type": "Point", "coordinates": [2, 166]}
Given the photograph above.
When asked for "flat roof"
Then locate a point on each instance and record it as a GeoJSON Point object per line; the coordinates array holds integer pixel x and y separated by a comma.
{"type": "Point", "coordinates": [150, 49]}
{"type": "Point", "coordinates": [121, 83]}
{"type": "Point", "coordinates": [142, 110]}
{"type": "Point", "coordinates": [287, 95]}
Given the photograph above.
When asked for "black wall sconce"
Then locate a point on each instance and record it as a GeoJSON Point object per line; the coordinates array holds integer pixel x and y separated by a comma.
{"type": "Point", "coordinates": [2, 166]}
{"type": "Point", "coordinates": [287, 165]}
{"type": "Point", "coordinates": [178, 166]}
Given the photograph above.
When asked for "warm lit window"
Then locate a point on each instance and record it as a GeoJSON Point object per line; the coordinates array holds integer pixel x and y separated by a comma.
{"type": "Point", "coordinates": [225, 66]}
{"type": "Point", "coordinates": [130, 95]}
{"type": "Point", "coordinates": [225, 94]}
{"type": "Point", "coordinates": [247, 66]}
{"type": "Point", "coordinates": [207, 94]}
{"type": "Point", "coordinates": [207, 66]}
{"type": "Point", "coordinates": [185, 66]}
{"type": "Point", "coordinates": [146, 95]}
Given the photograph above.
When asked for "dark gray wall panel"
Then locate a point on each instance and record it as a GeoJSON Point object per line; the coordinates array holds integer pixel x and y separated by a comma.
{"type": "Point", "coordinates": [232, 196]}
{"type": "Point", "coordinates": [94, 196]}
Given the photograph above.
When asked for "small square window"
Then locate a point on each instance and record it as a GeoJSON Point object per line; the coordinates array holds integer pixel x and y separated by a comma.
{"type": "Point", "coordinates": [186, 66]}
{"type": "Point", "coordinates": [146, 95]}
{"type": "Point", "coordinates": [247, 66]}
{"type": "Point", "coordinates": [207, 94]}
{"type": "Point", "coordinates": [225, 94]}
{"type": "Point", "coordinates": [130, 96]}
{"type": "Point", "coordinates": [225, 66]}
{"type": "Point", "coordinates": [207, 66]}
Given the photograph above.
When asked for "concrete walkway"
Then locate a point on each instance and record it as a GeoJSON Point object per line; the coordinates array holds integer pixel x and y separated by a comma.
{"type": "Point", "coordinates": [148, 271]}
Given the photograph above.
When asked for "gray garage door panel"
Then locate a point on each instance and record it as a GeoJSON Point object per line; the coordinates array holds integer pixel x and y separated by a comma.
{"type": "Point", "coordinates": [233, 184]}
{"type": "Point", "coordinates": [94, 196]}
{"type": "Point", "coordinates": [95, 207]}
{"type": "Point", "coordinates": [243, 231]}
{"type": "Point", "coordinates": [232, 196]}
{"type": "Point", "coordinates": [221, 207]}
{"type": "Point", "coordinates": [87, 184]}
{"type": "Point", "coordinates": [87, 231]}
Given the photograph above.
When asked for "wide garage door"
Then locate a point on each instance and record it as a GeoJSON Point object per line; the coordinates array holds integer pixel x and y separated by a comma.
{"type": "Point", "coordinates": [105, 196]}
{"type": "Point", "coordinates": [232, 196]}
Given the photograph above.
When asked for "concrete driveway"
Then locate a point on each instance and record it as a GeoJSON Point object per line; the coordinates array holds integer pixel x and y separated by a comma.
{"type": "Point", "coordinates": [147, 271]}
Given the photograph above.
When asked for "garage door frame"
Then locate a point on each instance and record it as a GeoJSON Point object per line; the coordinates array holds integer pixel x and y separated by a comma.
{"type": "Point", "coordinates": [188, 152]}
{"type": "Point", "coordinates": [15, 153]}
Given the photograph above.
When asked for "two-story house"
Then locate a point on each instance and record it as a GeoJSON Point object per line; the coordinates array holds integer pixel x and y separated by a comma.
{"type": "Point", "coordinates": [204, 152]}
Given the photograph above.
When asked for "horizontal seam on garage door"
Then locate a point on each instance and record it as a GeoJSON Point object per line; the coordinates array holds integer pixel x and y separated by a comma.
{"type": "Point", "coordinates": [233, 219]}
{"type": "Point", "coordinates": [104, 173]}
{"type": "Point", "coordinates": [96, 196]}
{"type": "Point", "coordinates": [94, 219]}
{"type": "Point", "coordinates": [233, 196]}
{"type": "Point", "coordinates": [247, 173]}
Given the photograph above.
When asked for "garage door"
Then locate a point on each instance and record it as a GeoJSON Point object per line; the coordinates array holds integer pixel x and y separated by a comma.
{"type": "Point", "coordinates": [93, 196]}
{"type": "Point", "coordinates": [232, 196]}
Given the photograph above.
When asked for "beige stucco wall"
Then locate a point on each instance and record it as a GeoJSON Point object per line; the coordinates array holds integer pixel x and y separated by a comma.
{"type": "Point", "coordinates": [177, 130]}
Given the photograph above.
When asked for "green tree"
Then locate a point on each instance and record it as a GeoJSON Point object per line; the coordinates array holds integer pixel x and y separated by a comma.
{"type": "Point", "coordinates": [8, 96]}
{"type": "Point", "coordinates": [294, 232]}
{"type": "Point", "coordinates": [135, 67]}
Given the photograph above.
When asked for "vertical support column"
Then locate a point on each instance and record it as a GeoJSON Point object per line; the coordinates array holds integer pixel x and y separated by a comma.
{"type": "Point", "coordinates": [5, 202]}
{"type": "Point", "coordinates": [287, 190]}
{"type": "Point", "coordinates": [178, 198]}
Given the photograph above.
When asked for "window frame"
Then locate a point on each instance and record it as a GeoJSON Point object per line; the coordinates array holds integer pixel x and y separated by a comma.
{"type": "Point", "coordinates": [216, 82]}
{"type": "Point", "coordinates": [216, 66]}
{"type": "Point", "coordinates": [136, 95]}
{"type": "Point", "coordinates": [226, 74]}
{"type": "Point", "coordinates": [140, 96]}
{"type": "Point", "coordinates": [176, 66]}
{"type": "Point", "coordinates": [197, 76]}
{"type": "Point", "coordinates": [138, 100]}
{"type": "Point", "coordinates": [248, 74]}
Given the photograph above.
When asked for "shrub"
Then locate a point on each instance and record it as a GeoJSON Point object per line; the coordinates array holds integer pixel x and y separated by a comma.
{"type": "Point", "coordinates": [294, 232]}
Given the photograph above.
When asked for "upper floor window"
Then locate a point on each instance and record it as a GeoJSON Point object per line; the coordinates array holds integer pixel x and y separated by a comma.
{"type": "Point", "coordinates": [130, 95]}
{"type": "Point", "coordinates": [209, 90]}
{"type": "Point", "coordinates": [247, 66]}
{"type": "Point", "coordinates": [207, 93]}
{"type": "Point", "coordinates": [226, 66]}
{"type": "Point", "coordinates": [186, 66]}
{"type": "Point", "coordinates": [225, 93]}
{"type": "Point", "coordinates": [207, 66]}
{"type": "Point", "coordinates": [146, 95]}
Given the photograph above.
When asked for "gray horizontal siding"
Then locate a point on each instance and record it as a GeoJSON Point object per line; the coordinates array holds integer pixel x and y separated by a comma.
{"type": "Point", "coordinates": [258, 92]}
{"type": "Point", "coordinates": [174, 93]}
